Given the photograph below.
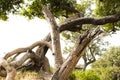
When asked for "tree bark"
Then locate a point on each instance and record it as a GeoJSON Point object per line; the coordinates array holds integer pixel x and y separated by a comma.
{"type": "Point", "coordinates": [11, 71]}
{"type": "Point", "coordinates": [67, 67]}
{"type": "Point", "coordinates": [73, 24]}
{"type": "Point", "coordinates": [21, 50]}
{"type": "Point", "coordinates": [55, 37]}
{"type": "Point", "coordinates": [10, 67]}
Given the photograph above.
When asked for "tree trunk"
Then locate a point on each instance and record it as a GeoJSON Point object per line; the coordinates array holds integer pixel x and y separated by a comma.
{"type": "Point", "coordinates": [67, 67]}
{"type": "Point", "coordinates": [55, 37]}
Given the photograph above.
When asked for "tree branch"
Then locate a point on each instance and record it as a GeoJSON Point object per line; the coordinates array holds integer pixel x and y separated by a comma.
{"type": "Point", "coordinates": [11, 71]}
{"type": "Point", "coordinates": [73, 24]}
{"type": "Point", "coordinates": [95, 21]}
{"type": "Point", "coordinates": [21, 50]}
{"type": "Point", "coordinates": [75, 54]}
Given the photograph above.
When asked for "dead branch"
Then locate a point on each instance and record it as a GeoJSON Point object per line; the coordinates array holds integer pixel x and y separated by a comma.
{"type": "Point", "coordinates": [21, 50]}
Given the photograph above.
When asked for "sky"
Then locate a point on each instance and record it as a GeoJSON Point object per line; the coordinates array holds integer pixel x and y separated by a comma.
{"type": "Point", "coordinates": [19, 32]}
{"type": "Point", "coordinates": [113, 39]}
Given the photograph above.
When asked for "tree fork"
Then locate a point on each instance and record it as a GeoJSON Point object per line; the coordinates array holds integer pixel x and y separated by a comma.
{"type": "Point", "coordinates": [67, 67]}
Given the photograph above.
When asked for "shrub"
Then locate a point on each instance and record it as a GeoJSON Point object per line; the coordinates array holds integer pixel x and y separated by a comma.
{"type": "Point", "coordinates": [84, 75]}
{"type": "Point", "coordinates": [108, 73]}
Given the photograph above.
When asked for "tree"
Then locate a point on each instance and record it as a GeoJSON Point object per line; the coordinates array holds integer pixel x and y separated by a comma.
{"type": "Point", "coordinates": [105, 7]}
{"type": "Point", "coordinates": [108, 64]}
{"type": "Point", "coordinates": [109, 58]}
{"type": "Point", "coordinates": [95, 48]}
{"type": "Point", "coordinates": [51, 9]}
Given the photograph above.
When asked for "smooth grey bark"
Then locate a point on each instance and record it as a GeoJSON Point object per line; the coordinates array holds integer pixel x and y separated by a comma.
{"type": "Point", "coordinates": [55, 37]}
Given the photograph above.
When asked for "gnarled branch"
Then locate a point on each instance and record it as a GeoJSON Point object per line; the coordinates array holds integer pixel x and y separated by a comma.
{"type": "Point", "coordinates": [95, 21]}
{"type": "Point", "coordinates": [21, 50]}
{"type": "Point", "coordinates": [11, 71]}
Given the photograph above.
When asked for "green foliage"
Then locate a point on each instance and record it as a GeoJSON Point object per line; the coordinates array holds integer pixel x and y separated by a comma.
{"type": "Point", "coordinates": [105, 8]}
{"type": "Point", "coordinates": [113, 56]}
{"type": "Point", "coordinates": [86, 75]}
{"type": "Point", "coordinates": [108, 65]}
{"type": "Point", "coordinates": [109, 58]}
{"type": "Point", "coordinates": [108, 73]}
{"type": "Point", "coordinates": [34, 9]}
{"type": "Point", "coordinates": [9, 6]}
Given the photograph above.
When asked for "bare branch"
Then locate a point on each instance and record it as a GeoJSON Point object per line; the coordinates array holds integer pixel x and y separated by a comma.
{"type": "Point", "coordinates": [21, 50]}
{"type": "Point", "coordinates": [19, 62]}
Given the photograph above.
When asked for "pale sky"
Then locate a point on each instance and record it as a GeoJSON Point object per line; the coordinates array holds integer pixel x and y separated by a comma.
{"type": "Point", "coordinates": [114, 39]}
{"type": "Point", "coordinates": [19, 32]}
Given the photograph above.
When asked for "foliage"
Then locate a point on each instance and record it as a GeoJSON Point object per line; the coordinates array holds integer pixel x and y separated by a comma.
{"type": "Point", "coordinates": [86, 75]}
{"type": "Point", "coordinates": [108, 65]}
{"type": "Point", "coordinates": [108, 73]}
{"type": "Point", "coordinates": [9, 6]}
{"type": "Point", "coordinates": [109, 58]}
{"type": "Point", "coordinates": [33, 9]}
{"type": "Point", "coordinates": [105, 8]}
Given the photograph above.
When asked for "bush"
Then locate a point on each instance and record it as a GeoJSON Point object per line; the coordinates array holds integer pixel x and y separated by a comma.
{"type": "Point", "coordinates": [108, 73]}
{"type": "Point", "coordinates": [84, 75]}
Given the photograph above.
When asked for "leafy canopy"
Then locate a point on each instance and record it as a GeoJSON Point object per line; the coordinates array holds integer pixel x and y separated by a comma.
{"type": "Point", "coordinates": [105, 8]}
{"type": "Point", "coordinates": [109, 59]}
{"type": "Point", "coordinates": [9, 6]}
{"type": "Point", "coordinates": [34, 8]}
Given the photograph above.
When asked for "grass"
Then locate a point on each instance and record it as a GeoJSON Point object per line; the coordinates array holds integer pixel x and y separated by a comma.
{"type": "Point", "coordinates": [27, 75]}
